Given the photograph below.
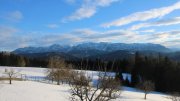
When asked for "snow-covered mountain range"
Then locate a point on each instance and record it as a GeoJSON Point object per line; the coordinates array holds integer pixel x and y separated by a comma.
{"type": "Point", "coordinates": [102, 46]}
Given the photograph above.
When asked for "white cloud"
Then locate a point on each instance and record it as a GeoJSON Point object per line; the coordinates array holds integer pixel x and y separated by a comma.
{"type": "Point", "coordinates": [168, 38]}
{"type": "Point", "coordinates": [14, 16]}
{"type": "Point", "coordinates": [87, 35]}
{"type": "Point", "coordinates": [88, 9]}
{"type": "Point", "coordinates": [52, 26]}
{"type": "Point", "coordinates": [70, 1]}
{"type": "Point", "coordinates": [165, 22]}
{"type": "Point", "coordinates": [147, 31]}
{"type": "Point", "coordinates": [7, 31]}
{"type": "Point", "coordinates": [6, 38]}
{"type": "Point", "coordinates": [143, 16]}
{"type": "Point", "coordinates": [127, 36]}
{"type": "Point", "coordinates": [13, 41]}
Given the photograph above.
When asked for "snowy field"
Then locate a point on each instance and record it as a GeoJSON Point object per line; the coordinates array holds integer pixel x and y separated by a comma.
{"type": "Point", "coordinates": [36, 91]}
{"type": "Point", "coordinates": [31, 72]}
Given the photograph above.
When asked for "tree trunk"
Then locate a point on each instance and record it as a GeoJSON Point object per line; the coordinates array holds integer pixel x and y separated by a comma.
{"type": "Point", "coordinates": [52, 80]}
{"type": "Point", "coordinates": [10, 81]}
{"type": "Point", "coordinates": [145, 96]}
{"type": "Point", "coordinates": [58, 82]}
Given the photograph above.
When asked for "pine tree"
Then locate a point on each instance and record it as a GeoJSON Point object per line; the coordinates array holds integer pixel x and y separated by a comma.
{"type": "Point", "coordinates": [135, 77]}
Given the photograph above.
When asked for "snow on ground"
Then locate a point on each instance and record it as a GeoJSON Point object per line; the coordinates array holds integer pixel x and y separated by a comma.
{"type": "Point", "coordinates": [29, 71]}
{"type": "Point", "coordinates": [33, 91]}
{"type": "Point", "coordinates": [36, 91]}
{"type": "Point", "coordinates": [126, 75]}
{"type": "Point", "coordinates": [131, 94]}
{"type": "Point", "coordinates": [41, 72]}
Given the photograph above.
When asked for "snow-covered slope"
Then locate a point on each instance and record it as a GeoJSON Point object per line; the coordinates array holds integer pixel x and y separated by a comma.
{"type": "Point", "coordinates": [36, 91]}
{"type": "Point", "coordinates": [33, 91]}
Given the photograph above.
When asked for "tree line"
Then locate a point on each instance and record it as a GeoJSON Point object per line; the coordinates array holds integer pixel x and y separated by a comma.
{"type": "Point", "coordinates": [160, 70]}
{"type": "Point", "coordinates": [10, 59]}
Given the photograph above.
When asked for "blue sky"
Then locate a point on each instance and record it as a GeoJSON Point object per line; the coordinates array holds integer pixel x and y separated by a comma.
{"type": "Point", "coordinates": [26, 23]}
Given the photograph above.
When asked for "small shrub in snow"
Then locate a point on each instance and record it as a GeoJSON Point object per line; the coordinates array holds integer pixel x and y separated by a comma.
{"type": "Point", "coordinates": [11, 73]}
{"type": "Point", "coordinates": [146, 87]}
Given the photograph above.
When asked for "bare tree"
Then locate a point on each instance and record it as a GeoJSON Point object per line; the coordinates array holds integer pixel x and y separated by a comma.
{"type": "Point", "coordinates": [84, 88]}
{"type": "Point", "coordinates": [58, 70]}
{"type": "Point", "coordinates": [146, 87]}
{"type": "Point", "coordinates": [11, 73]}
